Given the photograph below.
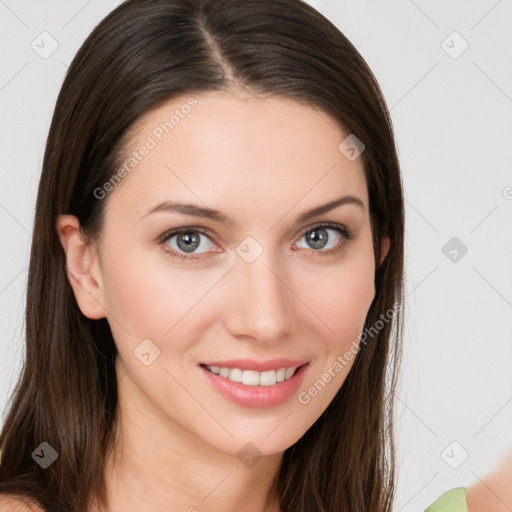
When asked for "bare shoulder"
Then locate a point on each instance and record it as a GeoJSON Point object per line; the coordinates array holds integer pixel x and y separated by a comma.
{"type": "Point", "coordinates": [17, 503]}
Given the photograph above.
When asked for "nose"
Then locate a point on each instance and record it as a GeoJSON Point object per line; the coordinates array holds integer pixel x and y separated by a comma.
{"type": "Point", "coordinates": [261, 303]}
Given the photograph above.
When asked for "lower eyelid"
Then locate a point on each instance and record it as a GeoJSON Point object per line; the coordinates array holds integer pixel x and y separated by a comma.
{"type": "Point", "coordinates": [167, 237]}
{"type": "Point", "coordinates": [345, 236]}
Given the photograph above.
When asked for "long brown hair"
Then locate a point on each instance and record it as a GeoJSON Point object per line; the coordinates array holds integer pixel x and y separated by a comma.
{"type": "Point", "coordinates": [141, 55]}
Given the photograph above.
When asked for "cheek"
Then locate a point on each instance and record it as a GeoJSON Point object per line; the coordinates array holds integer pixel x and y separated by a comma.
{"type": "Point", "coordinates": [149, 299]}
{"type": "Point", "coordinates": [341, 297]}
{"type": "Point", "coordinates": [136, 295]}
{"type": "Point", "coordinates": [341, 303]}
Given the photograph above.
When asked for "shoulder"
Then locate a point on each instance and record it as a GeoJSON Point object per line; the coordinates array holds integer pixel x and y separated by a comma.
{"type": "Point", "coordinates": [18, 503]}
{"type": "Point", "coordinates": [451, 501]}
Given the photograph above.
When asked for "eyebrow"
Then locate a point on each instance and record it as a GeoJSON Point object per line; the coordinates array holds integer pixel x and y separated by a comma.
{"type": "Point", "coordinates": [215, 215]}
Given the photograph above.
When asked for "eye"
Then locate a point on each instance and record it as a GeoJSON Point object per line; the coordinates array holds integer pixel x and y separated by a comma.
{"type": "Point", "coordinates": [183, 243]}
{"type": "Point", "coordinates": [186, 242]}
{"type": "Point", "coordinates": [318, 238]}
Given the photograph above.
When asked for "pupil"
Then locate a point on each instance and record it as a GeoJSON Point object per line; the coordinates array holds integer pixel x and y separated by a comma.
{"type": "Point", "coordinates": [190, 241]}
{"type": "Point", "coordinates": [318, 238]}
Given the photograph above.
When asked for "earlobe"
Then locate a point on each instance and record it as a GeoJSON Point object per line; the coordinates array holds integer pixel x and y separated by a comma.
{"type": "Point", "coordinates": [83, 268]}
{"type": "Point", "coordinates": [384, 248]}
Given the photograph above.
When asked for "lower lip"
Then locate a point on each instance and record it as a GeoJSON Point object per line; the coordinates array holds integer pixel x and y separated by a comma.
{"type": "Point", "coordinates": [259, 397]}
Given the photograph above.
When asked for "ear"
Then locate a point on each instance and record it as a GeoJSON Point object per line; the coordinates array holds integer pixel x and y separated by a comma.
{"type": "Point", "coordinates": [384, 248]}
{"type": "Point", "coordinates": [83, 267]}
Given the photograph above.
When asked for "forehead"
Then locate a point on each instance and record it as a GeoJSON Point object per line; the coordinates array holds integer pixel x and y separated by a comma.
{"type": "Point", "coordinates": [233, 148]}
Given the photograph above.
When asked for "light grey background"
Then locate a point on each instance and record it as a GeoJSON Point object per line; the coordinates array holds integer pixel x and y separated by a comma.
{"type": "Point", "coordinates": [453, 120]}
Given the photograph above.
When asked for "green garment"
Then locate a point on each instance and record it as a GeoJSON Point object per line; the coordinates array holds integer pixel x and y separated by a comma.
{"type": "Point", "coordinates": [451, 501]}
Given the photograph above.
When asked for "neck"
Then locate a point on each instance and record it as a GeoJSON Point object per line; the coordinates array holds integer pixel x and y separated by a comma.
{"type": "Point", "coordinates": [157, 465]}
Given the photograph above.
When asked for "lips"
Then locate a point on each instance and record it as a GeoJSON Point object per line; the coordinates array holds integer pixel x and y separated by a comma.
{"type": "Point", "coordinates": [252, 377]}
{"type": "Point", "coordinates": [255, 393]}
{"type": "Point", "coordinates": [258, 366]}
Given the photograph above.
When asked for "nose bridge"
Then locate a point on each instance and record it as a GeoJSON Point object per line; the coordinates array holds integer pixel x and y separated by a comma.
{"type": "Point", "coordinates": [262, 306]}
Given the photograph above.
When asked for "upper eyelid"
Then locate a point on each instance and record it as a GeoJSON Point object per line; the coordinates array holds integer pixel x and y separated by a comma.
{"type": "Point", "coordinates": [206, 232]}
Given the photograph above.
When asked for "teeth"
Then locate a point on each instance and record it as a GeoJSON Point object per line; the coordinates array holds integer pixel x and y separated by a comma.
{"type": "Point", "coordinates": [253, 378]}
{"type": "Point", "coordinates": [236, 375]}
{"type": "Point", "coordinates": [289, 373]}
{"type": "Point", "coordinates": [250, 378]}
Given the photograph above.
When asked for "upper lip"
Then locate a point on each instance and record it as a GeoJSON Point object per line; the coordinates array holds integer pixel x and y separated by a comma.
{"type": "Point", "coordinates": [258, 366]}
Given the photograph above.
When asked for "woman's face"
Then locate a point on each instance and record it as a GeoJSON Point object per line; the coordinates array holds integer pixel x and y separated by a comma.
{"type": "Point", "coordinates": [253, 286]}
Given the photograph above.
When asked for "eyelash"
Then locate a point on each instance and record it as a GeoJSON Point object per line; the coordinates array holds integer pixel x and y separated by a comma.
{"type": "Point", "coordinates": [346, 234]}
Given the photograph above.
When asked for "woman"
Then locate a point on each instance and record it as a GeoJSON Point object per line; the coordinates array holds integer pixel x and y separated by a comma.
{"type": "Point", "coordinates": [215, 288]}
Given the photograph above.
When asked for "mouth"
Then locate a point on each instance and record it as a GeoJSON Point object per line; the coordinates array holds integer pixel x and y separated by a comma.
{"type": "Point", "coordinates": [253, 377]}
{"type": "Point", "coordinates": [245, 386]}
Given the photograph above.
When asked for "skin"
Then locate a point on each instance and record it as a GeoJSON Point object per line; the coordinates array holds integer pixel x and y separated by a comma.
{"type": "Point", "coordinates": [493, 493]}
{"type": "Point", "coordinates": [261, 161]}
